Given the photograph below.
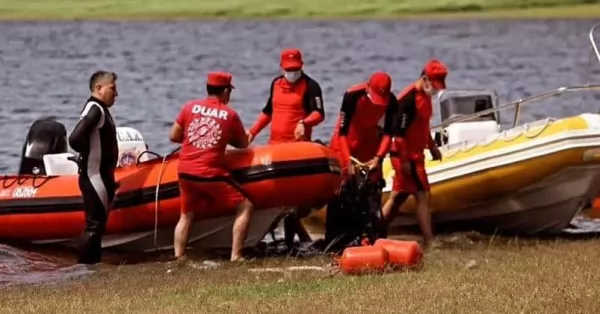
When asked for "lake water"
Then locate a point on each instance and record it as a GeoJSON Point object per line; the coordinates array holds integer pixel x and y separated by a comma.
{"type": "Point", "coordinates": [44, 67]}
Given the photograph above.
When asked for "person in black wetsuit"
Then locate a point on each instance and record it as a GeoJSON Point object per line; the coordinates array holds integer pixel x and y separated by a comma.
{"type": "Point", "coordinates": [95, 139]}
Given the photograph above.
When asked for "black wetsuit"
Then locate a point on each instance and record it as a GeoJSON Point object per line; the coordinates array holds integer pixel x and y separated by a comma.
{"type": "Point", "coordinates": [95, 139]}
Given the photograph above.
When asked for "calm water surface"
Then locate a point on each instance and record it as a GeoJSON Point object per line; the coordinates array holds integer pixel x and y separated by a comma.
{"type": "Point", "coordinates": [44, 67]}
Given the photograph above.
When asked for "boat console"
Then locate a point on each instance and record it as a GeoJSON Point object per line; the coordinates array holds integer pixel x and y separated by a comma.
{"type": "Point", "coordinates": [455, 108]}
{"type": "Point", "coordinates": [46, 149]}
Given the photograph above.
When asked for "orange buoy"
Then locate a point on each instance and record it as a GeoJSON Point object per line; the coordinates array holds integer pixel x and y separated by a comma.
{"type": "Point", "coordinates": [363, 259]}
{"type": "Point", "coordinates": [401, 253]}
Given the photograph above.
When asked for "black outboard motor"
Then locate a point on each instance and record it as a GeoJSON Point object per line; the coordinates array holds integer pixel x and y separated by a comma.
{"type": "Point", "coordinates": [46, 136]}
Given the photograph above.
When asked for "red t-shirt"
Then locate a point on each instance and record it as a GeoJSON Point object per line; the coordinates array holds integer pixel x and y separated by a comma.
{"type": "Point", "coordinates": [287, 105]}
{"type": "Point", "coordinates": [412, 135]}
{"type": "Point", "coordinates": [208, 127]}
{"type": "Point", "coordinates": [358, 122]}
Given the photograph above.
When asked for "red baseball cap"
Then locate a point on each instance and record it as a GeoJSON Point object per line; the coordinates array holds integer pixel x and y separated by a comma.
{"type": "Point", "coordinates": [379, 88]}
{"type": "Point", "coordinates": [220, 79]}
{"type": "Point", "coordinates": [291, 59]}
{"type": "Point", "coordinates": [436, 72]}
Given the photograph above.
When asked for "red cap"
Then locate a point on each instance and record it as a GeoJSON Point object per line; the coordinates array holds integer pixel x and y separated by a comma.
{"type": "Point", "coordinates": [379, 88]}
{"type": "Point", "coordinates": [220, 79]}
{"type": "Point", "coordinates": [291, 59]}
{"type": "Point", "coordinates": [436, 72]}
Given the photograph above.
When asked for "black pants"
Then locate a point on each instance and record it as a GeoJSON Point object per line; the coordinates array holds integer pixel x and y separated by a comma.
{"type": "Point", "coordinates": [291, 224]}
{"type": "Point", "coordinates": [98, 193]}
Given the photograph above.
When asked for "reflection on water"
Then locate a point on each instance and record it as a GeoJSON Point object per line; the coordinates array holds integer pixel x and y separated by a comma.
{"type": "Point", "coordinates": [22, 267]}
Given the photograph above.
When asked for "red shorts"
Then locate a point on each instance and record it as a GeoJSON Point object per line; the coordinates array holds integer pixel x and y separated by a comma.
{"type": "Point", "coordinates": [416, 181]}
{"type": "Point", "coordinates": [208, 194]}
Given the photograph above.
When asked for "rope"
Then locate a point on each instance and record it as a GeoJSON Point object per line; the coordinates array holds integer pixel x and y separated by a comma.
{"type": "Point", "coordinates": [157, 203]}
{"type": "Point", "coordinates": [356, 161]}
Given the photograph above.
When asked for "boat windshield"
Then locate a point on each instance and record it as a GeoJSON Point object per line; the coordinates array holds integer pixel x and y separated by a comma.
{"type": "Point", "coordinates": [462, 104]}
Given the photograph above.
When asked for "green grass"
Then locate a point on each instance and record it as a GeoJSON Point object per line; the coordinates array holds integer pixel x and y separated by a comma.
{"type": "Point", "coordinates": [469, 275]}
{"type": "Point", "coordinates": [294, 9]}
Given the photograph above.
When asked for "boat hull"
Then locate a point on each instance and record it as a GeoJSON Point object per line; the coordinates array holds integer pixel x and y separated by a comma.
{"type": "Point", "coordinates": [215, 233]}
{"type": "Point", "coordinates": [544, 208]}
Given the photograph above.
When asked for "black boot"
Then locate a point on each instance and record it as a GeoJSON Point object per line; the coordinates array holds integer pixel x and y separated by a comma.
{"type": "Point", "coordinates": [90, 248]}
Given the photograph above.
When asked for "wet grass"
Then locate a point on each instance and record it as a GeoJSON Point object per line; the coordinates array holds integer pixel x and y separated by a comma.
{"type": "Point", "coordinates": [294, 9]}
{"type": "Point", "coordinates": [487, 276]}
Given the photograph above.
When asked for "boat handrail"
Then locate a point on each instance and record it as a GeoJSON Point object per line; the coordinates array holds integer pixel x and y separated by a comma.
{"type": "Point", "coordinates": [593, 41]}
{"type": "Point", "coordinates": [522, 101]}
{"type": "Point", "coordinates": [518, 104]}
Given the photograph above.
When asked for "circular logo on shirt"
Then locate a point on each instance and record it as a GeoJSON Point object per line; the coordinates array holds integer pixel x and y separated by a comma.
{"type": "Point", "coordinates": [204, 132]}
{"type": "Point", "coordinates": [127, 159]}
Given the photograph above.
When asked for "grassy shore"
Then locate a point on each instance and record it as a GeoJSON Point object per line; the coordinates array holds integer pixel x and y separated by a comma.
{"type": "Point", "coordinates": [295, 9]}
{"type": "Point", "coordinates": [485, 276]}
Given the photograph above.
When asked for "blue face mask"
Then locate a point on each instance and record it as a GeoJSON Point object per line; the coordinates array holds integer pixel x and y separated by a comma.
{"type": "Point", "coordinates": [292, 76]}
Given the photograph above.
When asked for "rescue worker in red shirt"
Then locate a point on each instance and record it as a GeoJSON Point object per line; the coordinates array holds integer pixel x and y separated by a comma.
{"type": "Point", "coordinates": [205, 127]}
{"type": "Point", "coordinates": [294, 108]}
{"type": "Point", "coordinates": [357, 135]}
{"type": "Point", "coordinates": [411, 137]}
{"type": "Point", "coordinates": [295, 103]}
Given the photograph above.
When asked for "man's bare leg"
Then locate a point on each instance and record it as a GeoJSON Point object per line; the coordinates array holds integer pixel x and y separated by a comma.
{"type": "Point", "coordinates": [182, 233]}
{"type": "Point", "coordinates": [424, 217]}
{"type": "Point", "coordinates": [392, 205]}
{"type": "Point", "coordinates": [240, 229]}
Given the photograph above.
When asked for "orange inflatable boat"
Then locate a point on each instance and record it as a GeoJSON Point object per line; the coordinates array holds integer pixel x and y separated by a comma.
{"type": "Point", "coordinates": [47, 206]}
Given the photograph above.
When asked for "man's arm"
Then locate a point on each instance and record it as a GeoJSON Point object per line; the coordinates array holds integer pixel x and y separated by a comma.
{"type": "Point", "coordinates": [346, 114]}
{"type": "Point", "coordinates": [404, 116]}
{"type": "Point", "coordinates": [176, 134]}
{"type": "Point", "coordinates": [264, 118]}
{"type": "Point", "coordinates": [388, 128]}
{"type": "Point", "coordinates": [239, 138]}
{"type": "Point", "coordinates": [313, 104]}
{"type": "Point", "coordinates": [91, 119]}
{"type": "Point", "coordinates": [431, 144]}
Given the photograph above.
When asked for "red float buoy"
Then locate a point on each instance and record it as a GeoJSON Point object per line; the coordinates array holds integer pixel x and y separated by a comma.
{"type": "Point", "coordinates": [401, 253]}
{"type": "Point", "coordinates": [362, 259]}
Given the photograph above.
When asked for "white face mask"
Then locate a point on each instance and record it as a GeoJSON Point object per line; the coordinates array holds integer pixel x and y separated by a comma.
{"type": "Point", "coordinates": [292, 76]}
{"type": "Point", "coordinates": [431, 91]}
{"type": "Point", "coordinates": [428, 88]}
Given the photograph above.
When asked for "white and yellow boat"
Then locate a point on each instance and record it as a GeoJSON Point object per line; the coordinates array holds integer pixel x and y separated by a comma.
{"type": "Point", "coordinates": [528, 179]}
{"type": "Point", "coordinates": [531, 179]}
